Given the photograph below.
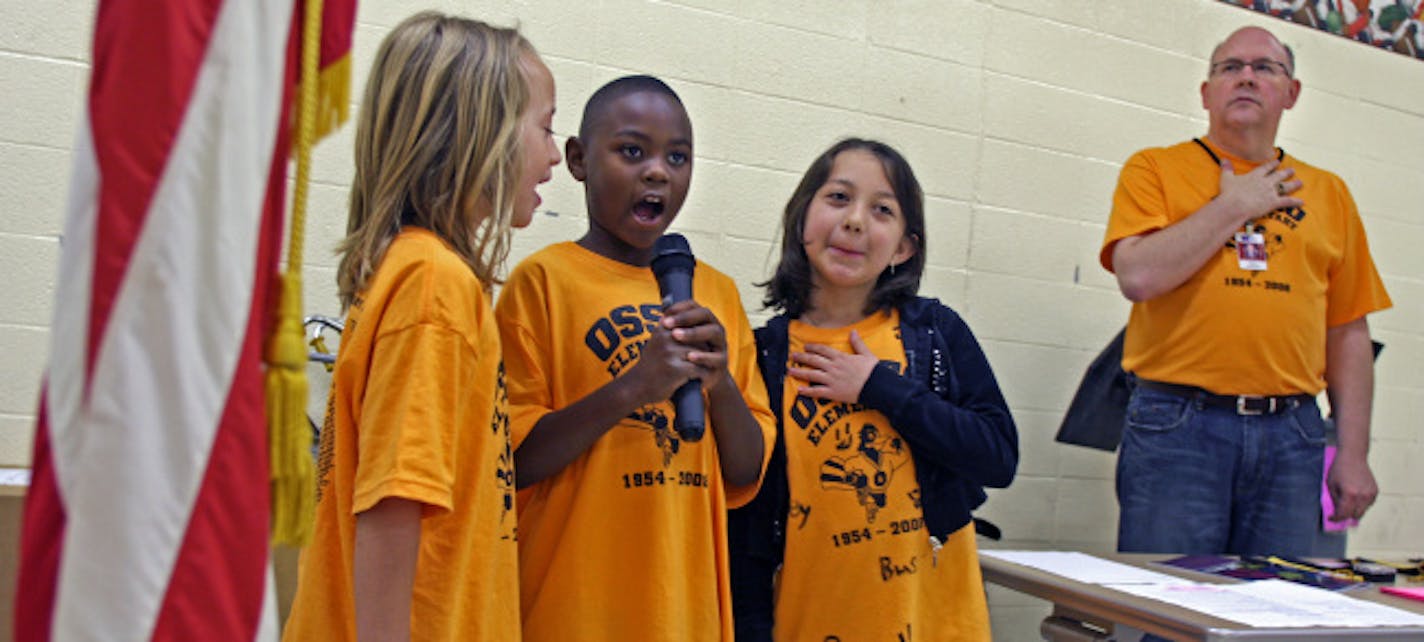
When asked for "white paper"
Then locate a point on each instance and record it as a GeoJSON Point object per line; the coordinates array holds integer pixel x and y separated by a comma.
{"type": "Point", "coordinates": [1335, 608]}
{"type": "Point", "coordinates": [1082, 567]}
{"type": "Point", "coordinates": [14, 477]}
{"type": "Point", "coordinates": [1276, 604]}
{"type": "Point", "coordinates": [1222, 601]}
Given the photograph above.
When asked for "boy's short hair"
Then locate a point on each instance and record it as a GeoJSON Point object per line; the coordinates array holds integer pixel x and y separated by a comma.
{"type": "Point", "coordinates": [618, 88]}
{"type": "Point", "coordinates": [789, 289]}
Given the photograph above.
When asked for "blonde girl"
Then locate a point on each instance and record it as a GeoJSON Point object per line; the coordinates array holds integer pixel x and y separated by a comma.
{"type": "Point", "coordinates": [415, 527]}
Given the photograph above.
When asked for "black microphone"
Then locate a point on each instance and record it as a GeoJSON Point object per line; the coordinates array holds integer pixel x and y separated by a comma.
{"type": "Point", "coordinates": [673, 265]}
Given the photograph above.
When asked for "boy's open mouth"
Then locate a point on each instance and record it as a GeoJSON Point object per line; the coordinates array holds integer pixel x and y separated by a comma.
{"type": "Point", "coordinates": [648, 209]}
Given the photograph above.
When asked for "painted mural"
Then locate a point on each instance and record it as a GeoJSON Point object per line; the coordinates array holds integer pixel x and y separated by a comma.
{"type": "Point", "coordinates": [1388, 24]}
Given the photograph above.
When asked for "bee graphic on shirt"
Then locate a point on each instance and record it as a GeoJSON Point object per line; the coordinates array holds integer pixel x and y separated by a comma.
{"type": "Point", "coordinates": [868, 471]}
{"type": "Point", "coordinates": [657, 421]}
{"type": "Point", "coordinates": [499, 424]}
{"type": "Point", "coordinates": [326, 447]}
{"type": "Point", "coordinates": [504, 479]}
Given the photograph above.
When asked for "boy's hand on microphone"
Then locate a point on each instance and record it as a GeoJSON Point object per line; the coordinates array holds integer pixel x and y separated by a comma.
{"type": "Point", "coordinates": [697, 328]}
{"type": "Point", "coordinates": [662, 366]}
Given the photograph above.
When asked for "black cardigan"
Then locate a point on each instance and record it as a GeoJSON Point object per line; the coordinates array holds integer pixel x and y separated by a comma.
{"type": "Point", "coordinates": [947, 406]}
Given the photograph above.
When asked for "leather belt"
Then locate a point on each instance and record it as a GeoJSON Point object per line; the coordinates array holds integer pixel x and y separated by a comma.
{"type": "Point", "coordinates": [1240, 404]}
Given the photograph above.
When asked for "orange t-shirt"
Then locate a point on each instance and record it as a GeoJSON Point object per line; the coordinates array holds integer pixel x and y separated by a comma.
{"type": "Point", "coordinates": [418, 410]}
{"type": "Point", "coordinates": [859, 564]}
{"type": "Point", "coordinates": [1232, 330]}
{"type": "Point", "coordinates": [629, 541]}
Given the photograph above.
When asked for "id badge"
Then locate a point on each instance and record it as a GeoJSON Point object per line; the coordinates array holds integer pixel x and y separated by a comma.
{"type": "Point", "coordinates": [1251, 251]}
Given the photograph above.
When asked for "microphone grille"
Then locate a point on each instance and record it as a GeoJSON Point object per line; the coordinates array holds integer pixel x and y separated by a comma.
{"type": "Point", "coordinates": [670, 252]}
{"type": "Point", "coordinates": [671, 244]}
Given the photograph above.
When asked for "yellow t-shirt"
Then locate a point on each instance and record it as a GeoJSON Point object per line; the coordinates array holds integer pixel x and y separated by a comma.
{"type": "Point", "coordinates": [628, 542]}
{"type": "Point", "coordinates": [1232, 330]}
{"type": "Point", "coordinates": [418, 410]}
{"type": "Point", "coordinates": [859, 565]}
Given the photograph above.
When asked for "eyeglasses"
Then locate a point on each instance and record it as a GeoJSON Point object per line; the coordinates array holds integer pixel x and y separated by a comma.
{"type": "Point", "coordinates": [1260, 66]}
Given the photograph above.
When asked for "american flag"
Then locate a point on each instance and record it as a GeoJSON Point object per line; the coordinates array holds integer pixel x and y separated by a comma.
{"type": "Point", "coordinates": [147, 515]}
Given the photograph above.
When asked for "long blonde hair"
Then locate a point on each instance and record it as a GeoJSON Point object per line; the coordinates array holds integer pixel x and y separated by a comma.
{"type": "Point", "coordinates": [437, 144]}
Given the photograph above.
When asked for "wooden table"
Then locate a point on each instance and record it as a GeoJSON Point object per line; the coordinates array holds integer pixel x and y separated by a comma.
{"type": "Point", "coordinates": [1089, 612]}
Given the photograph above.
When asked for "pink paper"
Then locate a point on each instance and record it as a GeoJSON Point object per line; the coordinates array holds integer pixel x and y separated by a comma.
{"type": "Point", "coordinates": [1327, 504]}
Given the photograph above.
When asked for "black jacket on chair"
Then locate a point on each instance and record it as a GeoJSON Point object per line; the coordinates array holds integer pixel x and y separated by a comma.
{"type": "Point", "coordinates": [947, 406]}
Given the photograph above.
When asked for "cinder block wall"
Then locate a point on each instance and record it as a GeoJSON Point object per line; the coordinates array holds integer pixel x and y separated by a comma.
{"type": "Point", "coordinates": [1015, 113]}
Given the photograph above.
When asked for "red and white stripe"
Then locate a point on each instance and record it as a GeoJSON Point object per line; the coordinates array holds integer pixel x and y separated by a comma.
{"type": "Point", "coordinates": [147, 516]}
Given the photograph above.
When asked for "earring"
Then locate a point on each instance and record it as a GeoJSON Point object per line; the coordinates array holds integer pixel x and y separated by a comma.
{"type": "Point", "coordinates": [892, 269]}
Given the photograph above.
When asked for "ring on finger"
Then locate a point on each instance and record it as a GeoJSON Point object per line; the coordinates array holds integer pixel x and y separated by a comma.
{"type": "Point", "coordinates": [1281, 189]}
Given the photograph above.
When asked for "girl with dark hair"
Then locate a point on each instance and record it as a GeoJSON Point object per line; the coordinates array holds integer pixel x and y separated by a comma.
{"type": "Point", "coordinates": [891, 423]}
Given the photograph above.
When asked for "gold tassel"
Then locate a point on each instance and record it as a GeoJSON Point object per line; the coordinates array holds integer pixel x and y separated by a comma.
{"type": "Point", "coordinates": [334, 97]}
{"type": "Point", "coordinates": [289, 437]}
{"type": "Point", "coordinates": [289, 433]}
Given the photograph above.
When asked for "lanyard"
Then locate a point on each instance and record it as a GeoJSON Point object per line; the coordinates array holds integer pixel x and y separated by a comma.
{"type": "Point", "coordinates": [1280, 153]}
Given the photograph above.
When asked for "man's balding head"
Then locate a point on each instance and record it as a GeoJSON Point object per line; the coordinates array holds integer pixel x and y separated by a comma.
{"type": "Point", "coordinates": [1256, 31]}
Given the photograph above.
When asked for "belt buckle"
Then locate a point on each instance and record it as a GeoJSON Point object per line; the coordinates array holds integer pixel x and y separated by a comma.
{"type": "Point", "coordinates": [1243, 409]}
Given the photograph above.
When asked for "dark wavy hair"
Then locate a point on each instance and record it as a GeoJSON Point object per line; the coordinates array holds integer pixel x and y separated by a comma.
{"type": "Point", "coordinates": [789, 289]}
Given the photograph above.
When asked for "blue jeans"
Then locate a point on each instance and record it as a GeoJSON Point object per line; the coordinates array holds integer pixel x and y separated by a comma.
{"type": "Point", "coordinates": [1198, 479]}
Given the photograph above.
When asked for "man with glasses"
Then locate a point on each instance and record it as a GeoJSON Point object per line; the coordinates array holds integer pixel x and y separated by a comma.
{"type": "Point", "coordinates": [1250, 279]}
